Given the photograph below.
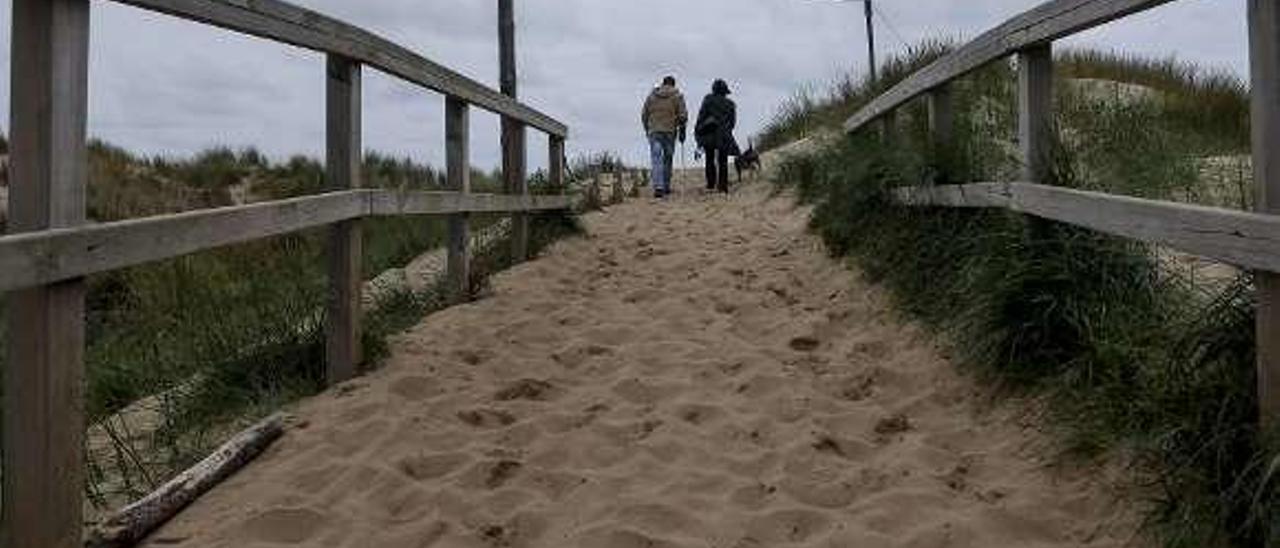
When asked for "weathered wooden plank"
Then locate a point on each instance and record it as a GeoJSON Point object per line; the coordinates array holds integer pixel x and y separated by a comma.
{"type": "Point", "coordinates": [1264, 54]}
{"type": "Point", "coordinates": [1241, 238]}
{"type": "Point", "coordinates": [1040, 25]}
{"type": "Point", "coordinates": [50, 256]}
{"type": "Point", "coordinates": [1035, 111]}
{"type": "Point", "coordinates": [284, 22]}
{"type": "Point", "coordinates": [44, 419]}
{"type": "Point", "coordinates": [457, 124]}
{"type": "Point", "coordinates": [346, 238]}
{"type": "Point", "coordinates": [390, 202]}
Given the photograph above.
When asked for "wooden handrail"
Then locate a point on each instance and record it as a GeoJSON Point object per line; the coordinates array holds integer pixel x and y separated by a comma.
{"type": "Point", "coordinates": [284, 22]}
{"type": "Point", "coordinates": [1241, 238]}
{"type": "Point", "coordinates": [1037, 26]}
{"type": "Point", "coordinates": [39, 258]}
{"type": "Point", "coordinates": [1245, 239]}
{"type": "Point", "coordinates": [45, 263]}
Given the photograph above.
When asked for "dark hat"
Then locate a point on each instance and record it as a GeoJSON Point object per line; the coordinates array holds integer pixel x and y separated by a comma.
{"type": "Point", "coordinates": [720, 87]}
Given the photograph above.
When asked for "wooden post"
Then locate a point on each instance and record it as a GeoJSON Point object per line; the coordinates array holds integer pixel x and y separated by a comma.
{"type": "Point", "coordinates": [1264, 60]}
{"type": "Point", "coordinates": [44, 419]}
{"type": "Point", "coordinates": [457, 129]}
{"type": "Point", "coordinates": [1035, 111]}
{"type": "Point", "coordinates": [513, 131]}
{"type": "Point", "coordinates": [888, 125]}
{"type": "Point", "coordinates": [346, 238]}
{"type": "Point", "coordinates": [596, 196]}
{"type": "Point", "coordinates": [619, 193]}
{"type": "Point", "coordinates": [555, 164]}
{"type": "Point", "coordinates": [941, 130]}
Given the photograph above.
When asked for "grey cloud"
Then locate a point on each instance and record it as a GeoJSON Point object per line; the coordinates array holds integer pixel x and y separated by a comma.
{"type": "Point", "coordinates": [160, 85]}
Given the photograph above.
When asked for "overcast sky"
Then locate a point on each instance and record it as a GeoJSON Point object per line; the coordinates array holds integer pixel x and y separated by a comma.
{"type": "Point", "coordinates": [165, 86]}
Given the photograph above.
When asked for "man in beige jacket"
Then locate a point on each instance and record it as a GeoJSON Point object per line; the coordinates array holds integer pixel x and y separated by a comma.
{"type": "Point", "coordinates": [664, 117]}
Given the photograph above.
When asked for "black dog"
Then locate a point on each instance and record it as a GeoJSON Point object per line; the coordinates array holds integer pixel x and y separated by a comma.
{"type": "Point", "coordinates": [749, 160]}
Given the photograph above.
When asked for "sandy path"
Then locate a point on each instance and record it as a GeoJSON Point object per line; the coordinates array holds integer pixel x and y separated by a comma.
{"type": "Point", "coordinates": [694, 374]}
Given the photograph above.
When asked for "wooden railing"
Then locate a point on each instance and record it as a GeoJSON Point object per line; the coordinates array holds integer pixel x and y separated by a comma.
{"type": "Point", "coordinates": [51, 246]}
{"type": "Point", "coordinates": [1249, 240]}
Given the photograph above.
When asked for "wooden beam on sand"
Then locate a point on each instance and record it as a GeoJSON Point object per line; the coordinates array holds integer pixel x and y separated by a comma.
{"type": "Point", "coordinates": [133, 523]}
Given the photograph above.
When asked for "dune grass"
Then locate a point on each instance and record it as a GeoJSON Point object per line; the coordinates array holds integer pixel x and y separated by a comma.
{"type": "Point", "coordinates": [195, 347]}
{"type": "Point", "coordinates": [1133, 359]}
{"type": "Point", "coordinates": [810, 109]}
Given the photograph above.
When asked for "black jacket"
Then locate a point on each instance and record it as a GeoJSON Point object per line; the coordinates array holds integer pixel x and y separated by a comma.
{"type": "Point", "coordinates": [716, 121]}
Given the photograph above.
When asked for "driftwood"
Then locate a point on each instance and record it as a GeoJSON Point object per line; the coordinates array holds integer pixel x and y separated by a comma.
{"type": "Point", "coordinates": [134, 522]}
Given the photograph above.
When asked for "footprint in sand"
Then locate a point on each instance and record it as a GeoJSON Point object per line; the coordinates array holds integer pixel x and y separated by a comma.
{"type": "Point", "coordinates": [360, 413]}
{"type": "Point", "coordinates": [661, 518]}
{"type": "Point", "coordinates": [527, 389]}
{"type": "Point", "coordinates": [804, 344]}
{"type": "Point", "coordinates": [821, 494]}
{"type": "Point", "coordinates": [522, 530]}
{"type": "Point", "coordinates": [854, 388]}
{"type": "Point", "coordinates": [622, 538]}
{"type": "Point", "coordinates": [700, 414]}
{"type": "Point", "coordinates": [787, 527]}
{"type": "Point", "coordinates": [889, 427]}
{"type": "Point", "coordinates": [474, 357]}
{"type": "Point", "coordinates": [429, 467]}
{"type": "Point", "coordinates": [491, 474]}
{"type": "Point", "coordinates": [317, 479]}
{"type": "Point", "coordinates": [416, 388]}
{"type": "Point", "coordinates": [400, 506]}
{"type": "Point", "coordinates": [426, 537]}
{"type": "Point", "coordinates": [762, 386]}
{"type": "Point", "coordinates": [285, 525]}
{"type": "Point", "coordinates": [753, 497]}
{"type": "Point", "coordinates": [875, 350]}
{"type": "Point", "coordinates": [553, 485]}
{"type": "Point", "coordinates": [843, 448]}
{"type": "Point", "coordinates": [486, 418]}
{"type": "Point", "coordinates": [639, 392]}
{"type": "Point", "coordinates": [574, 356]}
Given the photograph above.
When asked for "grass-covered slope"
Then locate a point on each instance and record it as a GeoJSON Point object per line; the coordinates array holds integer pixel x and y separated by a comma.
{"type": "Point", "coordinates": [197, 345]}
{"type": "Point", "coordinates": [1134, 354]}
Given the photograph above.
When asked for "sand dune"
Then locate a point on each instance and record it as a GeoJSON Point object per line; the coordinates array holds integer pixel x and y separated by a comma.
{"type": "Point", "coordinates": [693, 374]}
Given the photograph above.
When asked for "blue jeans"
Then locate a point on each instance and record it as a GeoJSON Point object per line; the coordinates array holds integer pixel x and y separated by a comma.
{"type": "Point", "coordinates": [662, 149]}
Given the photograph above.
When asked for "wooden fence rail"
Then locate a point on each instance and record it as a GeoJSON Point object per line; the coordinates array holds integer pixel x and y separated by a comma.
{"type": "Point", "coordinates": [1250, 240]}
{"type": "Point", "coordinates": [51, 247]}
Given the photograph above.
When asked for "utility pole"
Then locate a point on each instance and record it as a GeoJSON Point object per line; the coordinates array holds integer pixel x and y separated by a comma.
{"type": "Point", "coordinates": [869, 10]}
{"type": "Point", "coordinates": [513, 132]}
{"type": "Point", "coordinates": [871, 40]}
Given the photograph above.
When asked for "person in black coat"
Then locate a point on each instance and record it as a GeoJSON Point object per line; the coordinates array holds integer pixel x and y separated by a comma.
{"type": "Point", "coordinates": [714, 133]}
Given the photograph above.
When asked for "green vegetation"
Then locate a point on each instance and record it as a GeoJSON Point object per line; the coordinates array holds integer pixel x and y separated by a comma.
{"type": "Point", "coordinates": [1134, 356]}
{"type": "Point", "coordinates": [809, 110]}
{"type": "Point", "coordinates": [182, 352]}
